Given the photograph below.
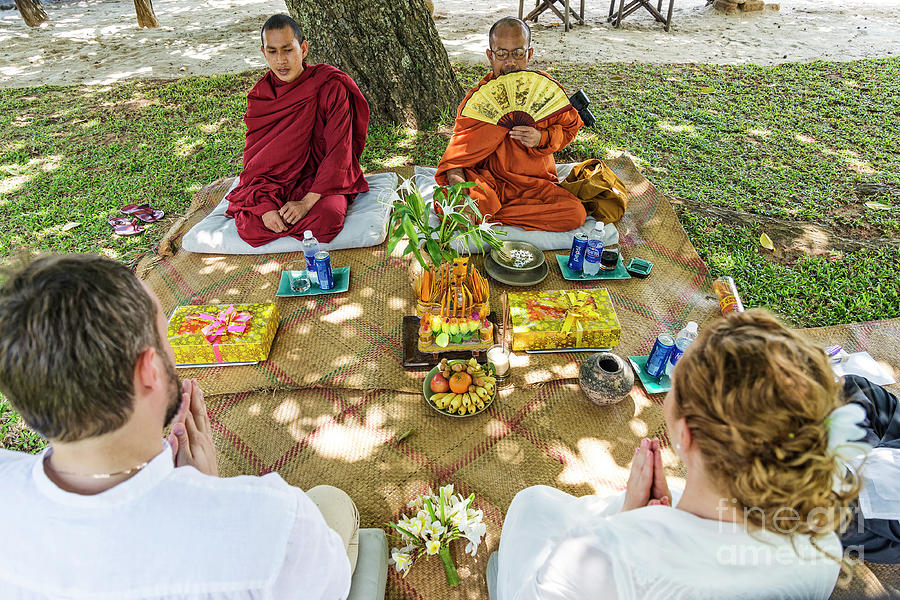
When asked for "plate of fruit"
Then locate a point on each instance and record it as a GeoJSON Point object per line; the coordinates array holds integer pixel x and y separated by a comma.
{"type": "Point", "coordinates": [460, 388]}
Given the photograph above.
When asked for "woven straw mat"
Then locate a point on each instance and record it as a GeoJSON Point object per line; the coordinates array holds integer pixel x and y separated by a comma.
{"type": "Point", "coordinates": [352, 340]}
{"type": "Point", "coordinates": [332, 400]}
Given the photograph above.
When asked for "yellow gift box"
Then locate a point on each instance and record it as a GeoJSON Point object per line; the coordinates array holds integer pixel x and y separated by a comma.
{"type": "Point", "coordinates": [563, 319]}
{"type": "Point", "coordinates": [222, 333]}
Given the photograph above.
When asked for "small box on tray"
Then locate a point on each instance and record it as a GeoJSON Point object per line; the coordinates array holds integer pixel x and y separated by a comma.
{"type": "Point", "coordinates": [553, 319]}
{"type": "Point", "coordinates": [221, 334]}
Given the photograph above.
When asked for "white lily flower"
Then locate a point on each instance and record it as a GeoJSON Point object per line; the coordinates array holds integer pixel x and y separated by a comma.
{"type": "Point", "coordinates": [474, 533]}
{"type": "Point", "coordinates": [402, 561]}
{"type": "Point", "coordinates": [457, 515]}
{"type": "Point", "coordinates": [447, 491]}
{"type": "Point", "coordinates": [472, 519]}
{"type": "Point", "coordinates": [446, 209]}
{"type": "Point", "coordinates": [432, 547]}
{"type": "Point", "coordinates": [416, 525]}
{"type": "Point", "coordinates": [407, 186]}
{"type": "Point", "coordinates": [435, 530]}
{"type": "Point", "coordinates": [405, 525]}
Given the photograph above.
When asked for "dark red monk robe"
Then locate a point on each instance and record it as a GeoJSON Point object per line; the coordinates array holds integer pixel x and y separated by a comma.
{"type": "Point", "coordinates": [516, 185]}
{"type": "Point", "coordinates": [303, 136]}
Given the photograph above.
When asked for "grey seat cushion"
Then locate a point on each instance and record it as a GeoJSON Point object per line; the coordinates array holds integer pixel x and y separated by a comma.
{"type": "Point", "coordinates": [365, 225]}
{"type": "Point", "coordinates": [491, 576]}
{"type": "Point", "coordinates": [370, 576]}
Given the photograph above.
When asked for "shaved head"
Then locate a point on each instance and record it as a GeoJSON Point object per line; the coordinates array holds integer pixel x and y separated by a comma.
{"type": "Point", "coordinates": [506, 24]}
{"type": "Point", "coordinates": [276, 22]}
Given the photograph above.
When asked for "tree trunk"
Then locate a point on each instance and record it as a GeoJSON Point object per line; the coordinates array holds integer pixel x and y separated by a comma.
{"type": "Point", "coordinates": [392, 50]}
{"type": "Point", "coordinates": [32, 11]}
{"type": "Point", "coordinates": [145, 15]}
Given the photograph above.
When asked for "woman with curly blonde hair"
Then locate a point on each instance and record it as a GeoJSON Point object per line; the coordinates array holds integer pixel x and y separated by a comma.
{"type": "Point", "coordinates": [764, 495]}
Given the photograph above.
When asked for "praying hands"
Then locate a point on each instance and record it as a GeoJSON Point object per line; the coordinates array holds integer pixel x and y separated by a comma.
{"type": "Point", "coordinates": [191, 437]}
{"type": "Point", "coordinates": [647, 484]}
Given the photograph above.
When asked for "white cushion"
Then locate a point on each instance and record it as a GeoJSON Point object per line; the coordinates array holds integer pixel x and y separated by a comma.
{"type": "Point", "coordinates": [545, 240]}
{"type": "Point", "coordinates": [365, 225]}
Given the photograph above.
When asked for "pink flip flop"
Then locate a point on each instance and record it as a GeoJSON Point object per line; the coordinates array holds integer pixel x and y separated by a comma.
{"type": "Point", "coordinates": [144, 212]}
{"type": "Point", "coordinates": [125, 226]}
{"type": "Point", "coordinates": [118, 221]}
{"type": "Point", "coordinates": [149, 215]}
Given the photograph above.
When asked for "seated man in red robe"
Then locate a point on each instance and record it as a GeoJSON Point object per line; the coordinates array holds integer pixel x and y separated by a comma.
{"type": "Point", "coordinates": [514, 168]}
{"type": "Point", "coordinates": [306, 128]}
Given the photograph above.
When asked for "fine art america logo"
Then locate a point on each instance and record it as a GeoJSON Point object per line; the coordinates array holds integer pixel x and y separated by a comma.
{"type": "Point", "coordinates": [786, 521]}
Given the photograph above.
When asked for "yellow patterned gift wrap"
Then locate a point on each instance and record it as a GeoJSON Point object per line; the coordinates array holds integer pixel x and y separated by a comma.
{"type": "Point", "coordinates": [563, 319]}
{"type": "Point", "coordinates": [222, 333]}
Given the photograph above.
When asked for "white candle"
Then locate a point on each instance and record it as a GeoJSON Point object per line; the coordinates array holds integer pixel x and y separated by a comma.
{"type": "Point", "coordinates": [500, 359]}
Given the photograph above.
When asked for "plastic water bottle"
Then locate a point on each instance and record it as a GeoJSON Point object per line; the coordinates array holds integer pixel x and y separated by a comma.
{"type": "Point", "coordinates": [310, 247]}
{"type": "Point", "coordinates": [594, 250]}
{"type": "Point", "coordinates": [685, 337]}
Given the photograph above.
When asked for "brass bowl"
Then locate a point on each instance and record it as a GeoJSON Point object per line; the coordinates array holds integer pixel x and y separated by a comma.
{"type": "Point", "coordinates": [508, 262]}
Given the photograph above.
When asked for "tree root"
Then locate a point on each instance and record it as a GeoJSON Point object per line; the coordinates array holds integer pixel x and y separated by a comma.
{"type": "Point", "coordinates": [792, 237]}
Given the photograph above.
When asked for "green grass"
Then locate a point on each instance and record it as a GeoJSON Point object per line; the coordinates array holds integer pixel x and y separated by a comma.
{"type": "Point", "coordinates": [790, 142]}
{"type": "Point", "coordinates": [14, 434]}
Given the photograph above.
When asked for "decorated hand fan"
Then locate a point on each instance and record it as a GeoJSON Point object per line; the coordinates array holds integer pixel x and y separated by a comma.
{"type": "Point", "coordinates": [518, 98]}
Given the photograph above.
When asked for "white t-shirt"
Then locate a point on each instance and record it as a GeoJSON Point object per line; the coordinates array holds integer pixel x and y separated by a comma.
{"type": "Point", "coordinates": [558, 547]}
{"type": "Point", "coordinates": [166, 534]}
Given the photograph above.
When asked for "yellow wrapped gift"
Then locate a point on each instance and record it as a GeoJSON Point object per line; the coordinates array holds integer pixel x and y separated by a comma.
{"type": "Point", "coordinates": [563, 319]}
{"type": "Point", "coordinates": [222, 333]}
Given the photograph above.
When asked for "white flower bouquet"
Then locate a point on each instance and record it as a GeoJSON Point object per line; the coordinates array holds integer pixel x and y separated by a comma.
{"type": "Point", "coordinates": [438, 521]}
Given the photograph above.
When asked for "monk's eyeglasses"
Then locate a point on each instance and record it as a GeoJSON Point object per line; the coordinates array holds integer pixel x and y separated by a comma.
{"type": "Point", "coordinates": [503, 54]}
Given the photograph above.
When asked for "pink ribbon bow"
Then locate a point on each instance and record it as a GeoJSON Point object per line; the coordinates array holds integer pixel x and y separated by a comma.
{"type": "Point", "coordinates": [227, 321]}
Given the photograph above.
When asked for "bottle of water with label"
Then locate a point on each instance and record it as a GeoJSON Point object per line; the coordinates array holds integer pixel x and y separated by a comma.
{"type": "Point", "coordinates": [594, 250]}
{"type": "Point", "coordinates": [685, 337]}
{"type": "Point", "coordinates": [310, 247]}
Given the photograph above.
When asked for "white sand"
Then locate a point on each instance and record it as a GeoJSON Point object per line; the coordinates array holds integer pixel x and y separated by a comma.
{"type": "Point", "coordinates": [97, 42]}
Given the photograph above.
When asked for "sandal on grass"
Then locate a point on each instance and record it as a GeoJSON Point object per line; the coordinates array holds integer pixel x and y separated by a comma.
{"type": "Point", "coordinates": [144, 212]}
{"type": "Point", "coordinates": [126, 226]}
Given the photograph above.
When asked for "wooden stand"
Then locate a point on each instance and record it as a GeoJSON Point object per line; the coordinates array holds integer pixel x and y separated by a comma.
{"type": "Point", "coordinates": [542, 5]}
{"type": "Point", "coordinates": [633, 5]}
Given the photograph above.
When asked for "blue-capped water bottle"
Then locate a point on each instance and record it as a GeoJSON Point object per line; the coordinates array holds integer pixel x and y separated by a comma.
{"type": "Point", "coordinates": [593, 251]}
{"type": "Point", "coordinates": [684, 339]}
{"type": "Point", "coordinates": [310, 247]}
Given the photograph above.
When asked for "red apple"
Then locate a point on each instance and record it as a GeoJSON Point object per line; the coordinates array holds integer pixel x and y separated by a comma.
{"type": "Point", "coordinates": [439, 384]}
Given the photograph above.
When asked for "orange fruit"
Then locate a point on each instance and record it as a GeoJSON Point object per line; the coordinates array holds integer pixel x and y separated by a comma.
{"type": "Point", "coordinates": [460, 382]}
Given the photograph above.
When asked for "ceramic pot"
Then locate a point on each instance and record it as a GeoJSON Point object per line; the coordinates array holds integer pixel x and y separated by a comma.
{"type": "Point", "coordinates": [606, 378]}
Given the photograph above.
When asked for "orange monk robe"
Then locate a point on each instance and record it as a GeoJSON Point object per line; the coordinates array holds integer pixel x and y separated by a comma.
{"type": "Point", "coordinates": [518, 185]}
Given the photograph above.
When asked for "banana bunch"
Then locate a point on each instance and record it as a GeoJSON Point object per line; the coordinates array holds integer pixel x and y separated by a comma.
{"type": "Point", "coordinates": [480, 391]}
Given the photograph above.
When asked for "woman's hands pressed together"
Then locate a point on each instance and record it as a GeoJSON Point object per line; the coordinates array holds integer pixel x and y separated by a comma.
{"type": "Point", "coordinates": [647, 484]}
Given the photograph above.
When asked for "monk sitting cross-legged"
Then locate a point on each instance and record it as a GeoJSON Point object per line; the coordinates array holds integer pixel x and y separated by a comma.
{"type": "Point", "coordinates": [513, 167]}
{"type": "Point", "coordinates": [306, 128]}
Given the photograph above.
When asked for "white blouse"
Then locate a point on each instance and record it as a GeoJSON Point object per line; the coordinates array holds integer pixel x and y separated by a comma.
{"type": "Point", "coordinates": [165, 534]}
{"type": "Point", "coordinates": [555, 546]}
